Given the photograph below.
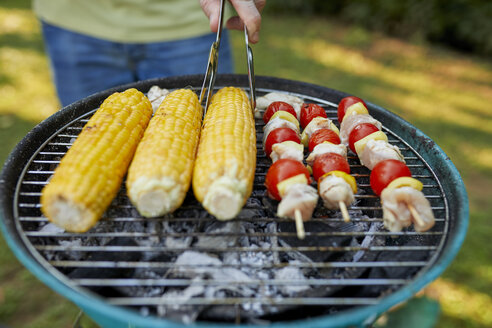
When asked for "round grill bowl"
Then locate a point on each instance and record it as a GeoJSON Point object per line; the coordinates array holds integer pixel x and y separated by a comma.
{"type": "Point", "coordinates": [448, 180]}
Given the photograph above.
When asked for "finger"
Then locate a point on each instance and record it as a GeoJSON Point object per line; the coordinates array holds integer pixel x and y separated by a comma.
{"type": "Point", "coordinates": [249, 11]}
{"type": "Point", "coordinates": [235, 23]}
{"type": "Point", "coordinates": [211, 8]}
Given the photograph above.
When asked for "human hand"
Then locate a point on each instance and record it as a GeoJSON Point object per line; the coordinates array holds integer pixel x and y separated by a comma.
{"type": "Point", "coordinates": [248, 11]}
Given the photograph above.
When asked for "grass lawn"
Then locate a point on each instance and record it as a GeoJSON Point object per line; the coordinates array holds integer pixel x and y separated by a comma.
{"type": "Point", "coordinates": [445, 94]}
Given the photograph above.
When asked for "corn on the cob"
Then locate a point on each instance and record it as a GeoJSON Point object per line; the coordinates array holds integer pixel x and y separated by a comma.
{"type": "Point", "coordinates": [160, 173]}
{"type": "Point", "coordinates": [91, 172]}
{"type": "Point", "coordinates": [226, 160]}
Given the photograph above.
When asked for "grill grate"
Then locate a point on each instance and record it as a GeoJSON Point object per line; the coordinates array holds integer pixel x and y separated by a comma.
{"type": "Point", "coordinates": [62, 253]}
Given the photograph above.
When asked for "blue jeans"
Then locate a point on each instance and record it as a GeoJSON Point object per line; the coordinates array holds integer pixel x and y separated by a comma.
{"type": "Point", "coordinates": [83, 65]}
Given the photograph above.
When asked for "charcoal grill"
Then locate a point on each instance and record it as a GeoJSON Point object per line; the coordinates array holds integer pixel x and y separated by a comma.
{"type": "Point", "coordinates": [366, 271]}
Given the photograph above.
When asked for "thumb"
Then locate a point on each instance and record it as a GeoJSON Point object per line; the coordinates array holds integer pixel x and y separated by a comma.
{"type": "Point", "coordinates": [211, 9]}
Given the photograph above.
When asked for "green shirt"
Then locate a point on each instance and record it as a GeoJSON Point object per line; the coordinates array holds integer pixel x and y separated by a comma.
{"type": "Point", "coordinates": [128, 21]}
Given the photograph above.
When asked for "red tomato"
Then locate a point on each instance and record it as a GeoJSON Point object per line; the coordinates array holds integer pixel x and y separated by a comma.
{"type": "Point", "coordinates": [275, 107]}
{"type": "Point", "coordinates": [323, 135]}
{"type": "Point", "coordinates": [386, 171]}
{"type": "Point", "coordinates": [280, 135]}
{"type": "Point", "coordinates": [329, 162]}
{"type": "Point", "coordinates": [310, 111]}
{"type": "Point", "coordinates": [281, 170]}
{"type": "Point", "coordinates": [346, 103]}
{"type": "Point", "coordinates": [360, 131]}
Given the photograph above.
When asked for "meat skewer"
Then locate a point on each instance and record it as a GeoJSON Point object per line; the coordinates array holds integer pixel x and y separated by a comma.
{"type": "Point", "coordinates": [328, 159]}
{"type": "Point", "coordinates": [401, 195]}
{"type": "Point", "coordinates": [287, 179]}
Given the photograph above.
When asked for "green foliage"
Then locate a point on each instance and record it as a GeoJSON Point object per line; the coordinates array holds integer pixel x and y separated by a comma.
{"type": "Point", "coordinates": [462, 24]}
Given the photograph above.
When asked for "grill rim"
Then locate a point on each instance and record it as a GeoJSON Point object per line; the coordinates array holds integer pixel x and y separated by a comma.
{"type": "Point", "coordinates": [94, 304]}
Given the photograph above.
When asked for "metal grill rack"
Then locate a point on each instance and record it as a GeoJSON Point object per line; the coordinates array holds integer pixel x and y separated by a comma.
{"type": "Point", "coordinates": [51, 251]}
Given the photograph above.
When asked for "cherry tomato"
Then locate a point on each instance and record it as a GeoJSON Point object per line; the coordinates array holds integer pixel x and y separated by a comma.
{"type": "Point", "coordinates": [323, 135]}
{"type": "Point", "coordinates": [329, 162]}
{"type": "Point", "coordinates": [386, 171]}
{"type": "Point", "coordinates": [281, 170]}
{"type": "Point", "coordinates": [360, 131]}
{"type": "Point", "coordinates": [280, 135]}
{"type": "Point", "coordinates": [345, 103]}
{"type": "Point", "coordinates": [310, 111]}
{"type": "Point", "coordinates": [275, 107]}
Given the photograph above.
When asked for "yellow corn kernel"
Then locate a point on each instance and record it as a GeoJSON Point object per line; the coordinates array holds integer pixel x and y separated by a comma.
{"type": "Point", "coordinates": [347, 177]}
{"type": "Point", "coordinates": [361, 144]}
{"type": "Point", "coordinates": [160, 173]}
{"type": "Point", "coordinates": [405, 182]}
{"type": "Point", "coordinates": [91, 172]}
{"type": "Point", "coordinates": [226, 158]}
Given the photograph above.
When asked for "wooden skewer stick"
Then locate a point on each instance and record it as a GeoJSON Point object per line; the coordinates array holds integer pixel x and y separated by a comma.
{"type": "Point", "coordinates": [343, 209]}
{"type": "Point", "coordinates": [416, 215]}
{"type": "Point", "coordinates": [301, 234]}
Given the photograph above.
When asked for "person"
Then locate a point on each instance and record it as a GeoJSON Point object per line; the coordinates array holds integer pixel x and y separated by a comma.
{"type": "Point", "coordinates": [94, 45]}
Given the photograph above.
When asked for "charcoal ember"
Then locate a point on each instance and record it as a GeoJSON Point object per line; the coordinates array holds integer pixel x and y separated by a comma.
{"type": "Point", "coordinates": [252, 209]}
{"type": "Point", "coordinates": [361, 255]}
{"type": "Point", "coordinates": [392, 272]}
{"type": "Point", "coordinates": [316, 227]}
{"type": "Point", "coordinates": [179, 227]}
{"type": "Point", "coordinates": [201, 267]}
{"type": "Point", "coordinates": [105, 273]}
{"type": "Point", "coordinates": [220, 234]}
{"type": "Point", "coordinates": [192, 211]}
{"type": "Point", "coordinates": [172, 242]}
{"type": "Point", "coordinates": [270, 206]}
{"type": "Point", "coordinates": [55, 230]}
{"type": "Point", "coordinates": [120, 207]}
{"type": "Point", "coordinates": [177, 309]}
{"type": "Point", "coordinates": [347, 272]}
{"type": "Point", "coordinates": [51, 228]}
{"type": "Point", "coordinates": [294, 274]}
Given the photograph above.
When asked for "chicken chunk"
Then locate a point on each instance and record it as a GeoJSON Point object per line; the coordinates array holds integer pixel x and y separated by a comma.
{"type": "Point", "coordinates": [263, 102]}
{"type": "Point", "coordinates": [333, 190]}
{"type": "Point", "coordinates": [287, 149]}
{"type": "Point", "coordinates": [324, 148]}
{"type": "Point", "coordinates": [376, 151]}
{"type": "Point", "coordinates": [351, 121]}
{"type": "Point", "coordinates": [397, 213]}
{"type": "Point", "coordinates": [298, 197]}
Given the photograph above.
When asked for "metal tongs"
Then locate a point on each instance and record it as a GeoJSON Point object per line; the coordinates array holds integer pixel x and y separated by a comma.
{"type": "Point", "coordinates": [251, 71]}
{"type": "Point", "coordinates": [213, 62]}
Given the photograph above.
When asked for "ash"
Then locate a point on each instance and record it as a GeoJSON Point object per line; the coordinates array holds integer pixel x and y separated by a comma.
{"type": "Point", "coordinates": [200, 256]}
